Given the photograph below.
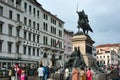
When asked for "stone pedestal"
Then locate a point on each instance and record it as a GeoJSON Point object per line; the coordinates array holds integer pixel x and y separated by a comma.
{"type": "Point", "coordinates": [86, 45]}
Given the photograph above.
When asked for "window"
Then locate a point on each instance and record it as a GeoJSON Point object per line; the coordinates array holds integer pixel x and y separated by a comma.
{"type": "Point", "coordinates": [60, 44]}
{"type": "Point", "coordinates": [45, 55]}
{"type": "Point", "coordinates": [45, 17]}
{"type": "Point", "coordinates": [37, 38]}
{"type": "Point", "coordinates": [24, 50]}
{"type": "Point", "coordinates": [30, 9]}
{"type": "Point", "coordinates": [60, 57]}
{"type": "Point", "coordinates": [53, 21]}
{"type": "Point", "coordinates": [34, 11]}
{"type": "Point", "coordinates": [103, 62]}
{"type": "Point", "coordinates": [107, 51]}
{"type": "Point", "coordinates": [25, 6]}
{"type": "Point", "coordinates": [60, 25]}
{"type": "Point", "coordinates": [38, 14]}
{"type": "Point", "coordinates": [38, 26]}
{"type": "Point", "coordinates": [25, 33]}
{"type": "Point", "coordinates": [18, 17]}
{"type": "Point", "coordinates": [30, 36]}
{"type": "Point", "coordinates": [18, 32]}
{"type": "Point", "coordinates": [45, 26]}
{"type": "Point", "coordinates": [29, 50]}
{"type": "Point", "coordinates": [1, 28]}
{"type": "Point", "coordinates": [10, 14]}
{"type": "Point", "coordinates": [34, 37]}
{"type": "Point", "coordinates": [34, 24]}
{"type": "Point", "coordinates": [45, 40]}
{"type": "Point", "coordinates": [53, 30]}
{"type": "Point", "coordinates": [9, 47]}
{"type": "Point", "coordinates": [53, 42]}
{"type": "Point", "coordinates": [17, 48]}
{"type": "Point", "coordinates": [1, 11]}
{"type": "Point", "coordinates": [33, 51]}
{"type": "Point", "coordinates": [60, 33]}
{"type": "Point", "coordinates": [0, 46]}
{"type": "Point", "coordinates": [29, 22]}
{"type": "Point", "coordinates": [25, 20]}
{"type": "Point", "coordinates": [10, 29]}
{"type": "Point", "coordinates": [38, 52]}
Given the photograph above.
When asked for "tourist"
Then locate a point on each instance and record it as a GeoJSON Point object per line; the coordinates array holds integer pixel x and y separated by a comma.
{"type": "Point", "coordinates": [75, 73]}
{"type": "Point", "coordinates": [46, 72]}
{"type": "Point", "coordinates": [19, 73]}
{"type": "Point", "coordinates": [66, 73]}
{"type": "Point", "coordinates": [61, 73]}
{"type": "Point", "coordinates": [23, 75]}
{"type": "Point", "coordinates": [13, 73]}
{"type": "Point", "coordinates": [32, 73]}
{"type": "Point", "coordinates": [10, 73]}
{"type": "Point", "coordinates": [40, 72]}
{"type": "Point", "coordinates": [82, 74]}
{"type": "Point", "coordinates": [89, 74]}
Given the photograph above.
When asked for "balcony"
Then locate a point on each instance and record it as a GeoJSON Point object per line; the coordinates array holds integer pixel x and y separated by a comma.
{"type": "Point", "coordinates": [18, 40]}
{"type": "Point", "coordinates": [18, 24]}
{"type": "Point", "coordinates": [10, 3]}
{"type": "Point", "coordinates": [18, 6]}
{"type": "Point", "coordinates": [53, 49]}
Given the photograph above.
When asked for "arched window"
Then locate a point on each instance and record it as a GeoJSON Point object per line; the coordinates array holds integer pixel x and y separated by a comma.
{"type": "Point", "coordinates": [45, 55]}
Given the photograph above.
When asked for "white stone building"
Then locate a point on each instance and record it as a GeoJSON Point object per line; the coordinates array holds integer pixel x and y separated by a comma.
{"type": "Point", "coordinates": [107, 54]}
{"type": "Point", "coordinates": [29, 34]}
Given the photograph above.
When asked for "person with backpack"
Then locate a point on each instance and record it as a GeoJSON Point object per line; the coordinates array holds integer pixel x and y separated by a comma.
{"type": "Point", "coordinates": [46, 72]}
{"type": "Point", "coordinates": [32, 73]}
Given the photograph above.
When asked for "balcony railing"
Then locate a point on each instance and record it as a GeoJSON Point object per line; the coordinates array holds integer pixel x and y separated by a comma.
{"type": "Point", "coordinates": [10, 2]}
{"type": "Point", "coordinates": [18, 24]}
{"type": "Point", "coordinates": [18, 40]}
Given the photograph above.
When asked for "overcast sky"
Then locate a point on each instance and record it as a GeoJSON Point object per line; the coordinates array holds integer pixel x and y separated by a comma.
{"type": "Point", "coordinates": [103, 15]}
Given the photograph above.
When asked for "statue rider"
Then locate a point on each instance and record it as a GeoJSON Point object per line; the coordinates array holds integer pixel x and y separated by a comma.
{"type": "Point", "coordinates": [83, 22]}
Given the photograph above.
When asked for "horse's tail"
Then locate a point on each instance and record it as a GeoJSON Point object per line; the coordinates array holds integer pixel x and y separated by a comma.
{"type": "Point", "coordinates": [90, 28]}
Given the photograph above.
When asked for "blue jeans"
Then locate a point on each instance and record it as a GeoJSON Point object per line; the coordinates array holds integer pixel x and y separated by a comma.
{"type": "Point", "coordinates": [45, 77]}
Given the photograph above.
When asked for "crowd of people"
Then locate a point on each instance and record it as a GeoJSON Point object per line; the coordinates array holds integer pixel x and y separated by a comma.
{"type": "Point", "coordinates": [81, 74]}
{"type": "Point", "coordinates": [28, 73]}
{"type": "Point", "coordinates": [44, 73]}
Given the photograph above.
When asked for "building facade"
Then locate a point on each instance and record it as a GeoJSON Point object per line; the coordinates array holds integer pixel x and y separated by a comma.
{"type": "Point", "coordinates": [29, 34]}
{"type": "Point", "coordinates": [107, 54]}
{"type": "Point", "coordinates": [68, 47]}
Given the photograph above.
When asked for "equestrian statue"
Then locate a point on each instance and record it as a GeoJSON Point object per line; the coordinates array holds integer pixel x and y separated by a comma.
{"type": "Point", "coordinates": [83, 22]}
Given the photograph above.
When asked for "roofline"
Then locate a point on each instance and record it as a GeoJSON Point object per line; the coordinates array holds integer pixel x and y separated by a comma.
{"type": "Point", "coordinates": [108, 45]}
{"type": "Point", "coordinates": [40, 6]}
{"type": "Point", "coordinates": [52, 14]}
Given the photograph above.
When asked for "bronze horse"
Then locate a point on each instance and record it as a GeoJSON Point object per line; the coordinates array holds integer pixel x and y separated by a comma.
{"type": "Point", "coordinates": [83, 22]}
